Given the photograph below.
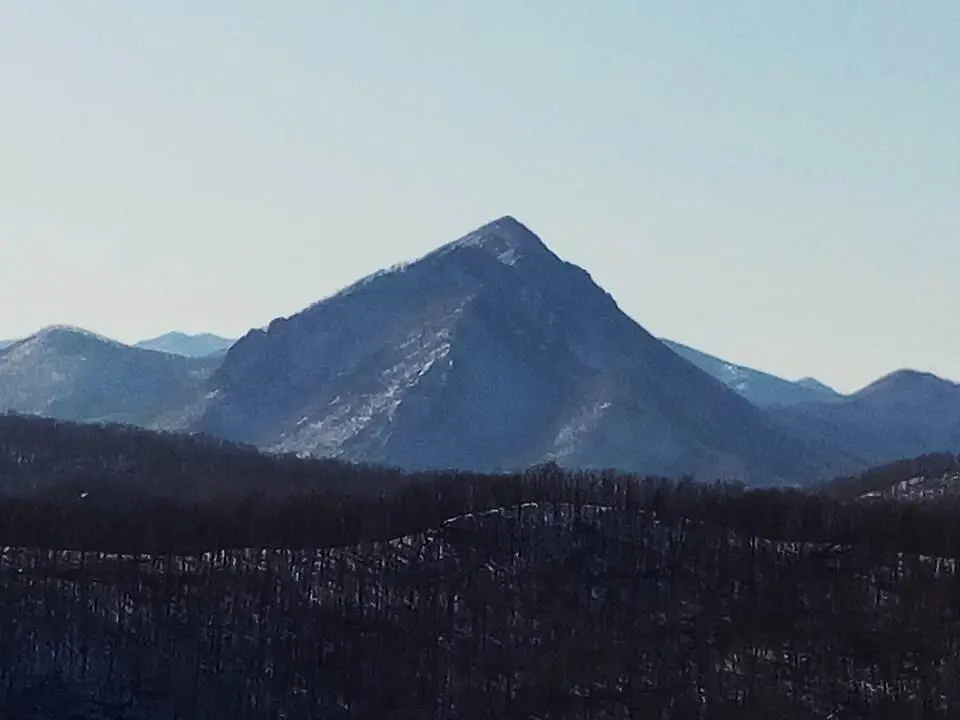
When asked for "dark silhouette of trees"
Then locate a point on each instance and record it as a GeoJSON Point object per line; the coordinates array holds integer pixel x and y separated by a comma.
{"type": "Point", "coordinates": [146, 576]}
{"type": "Point", "coordinates": [883, 477]}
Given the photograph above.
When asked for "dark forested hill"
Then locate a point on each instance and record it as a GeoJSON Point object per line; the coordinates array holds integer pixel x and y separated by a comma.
{"type": "Point", "coordinates": [117, 464]}
{"type": "Point", "coordinates": [546, 594]}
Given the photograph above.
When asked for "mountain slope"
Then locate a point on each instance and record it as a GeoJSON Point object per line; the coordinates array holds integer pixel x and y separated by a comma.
{"type": "Point", "coordinates": [178, 343]}
{"type": "Point", "coordinates": [72, 374]}
{"type": "Point", "coordinates": [905, 414]}
{"type": "Point", "coordinates": [490, 353]}
{"type": "Point", "coordinates": [760, 388]}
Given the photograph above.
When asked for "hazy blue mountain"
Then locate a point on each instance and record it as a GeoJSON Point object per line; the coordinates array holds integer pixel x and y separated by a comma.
{"type": "Point", "coordinates": [178, 343]}
{"type": "Point", "coordinates": [6, 343]}
{"type": "Point", "coordinates": [813, 384]}
{"type": "Point", "coordinates": [904, 414]}
{"type": "Point", "coordinates": [760, 388]}
{"type": "Point", "coordinates": [489, 353]}
{"type": "Point", "coordinates": [71, 374]}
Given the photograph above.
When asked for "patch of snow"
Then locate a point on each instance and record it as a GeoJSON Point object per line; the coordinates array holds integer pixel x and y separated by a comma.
{"type": "Point", "coordinates": [375, 410]}
{"type": "Point", "coordinates": [582, 423]}
{"type": "Point", "coordinates": [506, 239]}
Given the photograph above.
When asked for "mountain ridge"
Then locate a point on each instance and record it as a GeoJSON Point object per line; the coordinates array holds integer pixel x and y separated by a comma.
{"type": "Point", "coordinates": [904, 414]}
{"type": "Point", "coordinates": [491, 346]}
{"type": "Point", "coordinates": [488, 353]}
{"type": "Point", "coordinates": [761, 388]}
{"type": "Point", "coordinates": [187, 345]}
{"type": "Point", "coordinates": [74, 374]}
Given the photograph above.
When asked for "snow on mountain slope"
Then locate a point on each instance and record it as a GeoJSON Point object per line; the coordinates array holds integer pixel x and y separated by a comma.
{"type": "Point", "coordinates": [489, 353]}
{"type": "Point", "coordinates": [760, 388]}
{"type": "Point", "coordinates": [73, 374]}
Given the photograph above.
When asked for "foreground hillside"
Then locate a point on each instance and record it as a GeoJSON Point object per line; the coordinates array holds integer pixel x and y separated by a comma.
{"type": "Point", "coordinates": [155, 576]}
{"type": "Point", "coordinates": [121, 466]}
{"type": "Point", "coordinates": [546, 609]}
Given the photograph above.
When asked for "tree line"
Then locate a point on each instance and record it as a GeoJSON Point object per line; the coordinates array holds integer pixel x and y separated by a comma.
{"type": "Point", "coordinates": [281, 587]}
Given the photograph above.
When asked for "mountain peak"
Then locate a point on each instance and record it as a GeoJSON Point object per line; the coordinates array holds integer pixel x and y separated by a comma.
{"type": "Point", "coordinates": [506, 239]}
{"type": "Point", "coordinates": [811, 383]}
{"type": "Point", "coordinates": [905, 380]}
{"type": "Point", "coordinates": [186, 345]}
{"type": "Point", "coordinates": [57, 333]}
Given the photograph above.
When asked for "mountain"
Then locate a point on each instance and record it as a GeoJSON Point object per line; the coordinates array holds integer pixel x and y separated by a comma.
{"type": "Point", "coordinates": [905, 414]}
{"type": "Point", "coordinates": [6, 343]}
{"type": "Point", "coordinates": [826, 392]}
{"type": "Point", "coordinates": [194, 346]}
{"type": "Point", "coordinates": [490, 353]}
{"type": "Point", "coordinates": [760, 388]}
{"type": "Point", "coordinates": [72, 374]}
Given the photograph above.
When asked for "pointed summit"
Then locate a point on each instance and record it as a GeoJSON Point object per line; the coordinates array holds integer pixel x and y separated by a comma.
{"type": "Point", "coordinates": [486, 254]}
{"type": "Point", "coordinates": [490, 353]}
{"type": "Point", "coordinates": [506, 239]}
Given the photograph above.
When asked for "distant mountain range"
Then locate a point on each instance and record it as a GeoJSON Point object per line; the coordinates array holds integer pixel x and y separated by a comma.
{"type": "Point", "coordinates": [173, 343]}
{"type": "Point", "coordinates": [178, 343]}
{"type": "Point", "coordinates": [490, 353]}
{"type": "Point", "coordinates": [904, 414]}
{"type": "Point", "coordinates": [72, 374]}
{"type": "Point", "coordinates": [760, 388]}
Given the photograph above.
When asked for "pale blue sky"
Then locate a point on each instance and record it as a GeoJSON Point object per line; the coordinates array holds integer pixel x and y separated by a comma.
{"type": "Point", "coordinates": [776, 182]}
